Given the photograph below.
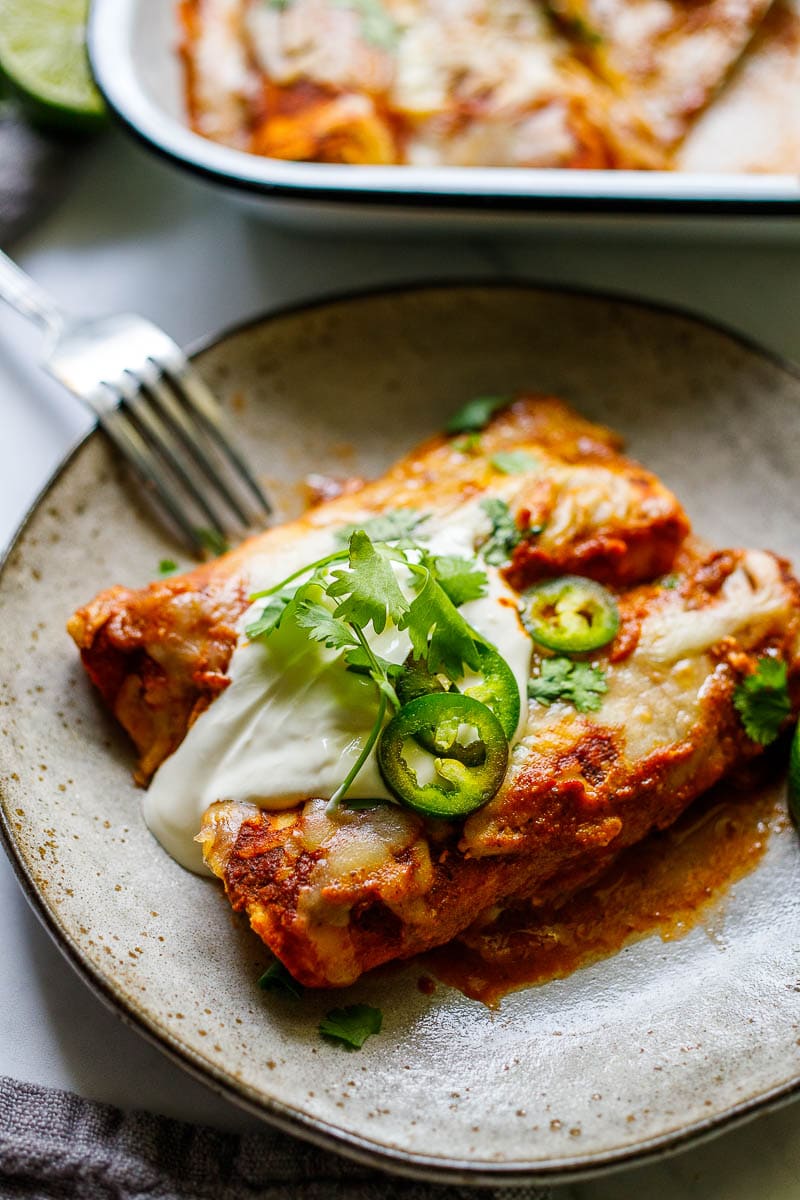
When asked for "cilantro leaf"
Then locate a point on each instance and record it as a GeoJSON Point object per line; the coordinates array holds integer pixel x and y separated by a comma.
{"type": "Point", "coordinates": [351, 1025]}
{"type": "Point", "coordinates": [369, 590]}
{"type": "Point", "coordinates": [577, 683]}
{"type": "Point", "coordinates": [584, 32]}
{"type": "Point", "coordinates": [572, 24]}
{"type": "Point", "coordinates": [505, 535]}
{"type": "Point", "coordinates": [762, 700]}
{"type": "Point", "coordinates": [167, 566]}
{"type": "Point", "coordinates": [458, 577]}
{"type": "Point", "coordinates": [476, 414]}
{"type": "Point", "coordinates": [469, 444]}
{"type": "Point", "coordinates": [276, 978]}
{"type": "Point", "coordinates": [513, 462]}
{"type": "Point", "coordinates": [552, 681]}
{"type": "Point", "coordinates": [392, 526]}
{"type": "Point", "coordinates": [588, 686]}
{"type": "Point", "coordinates": [439, 634]}
{"type": "Point", "coordinates": [271, 616]}
{"type": "Point", "coordinates": [377, 26]}
{"type": "Point", "coordinates": [322, 625]}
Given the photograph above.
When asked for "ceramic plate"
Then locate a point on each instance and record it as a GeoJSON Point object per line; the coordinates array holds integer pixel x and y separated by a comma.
{"type": "Point", "coordinates": [630, 1056]}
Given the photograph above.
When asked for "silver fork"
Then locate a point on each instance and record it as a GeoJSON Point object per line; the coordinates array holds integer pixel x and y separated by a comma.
{"type": "Point", "coordinates": [155, 408]}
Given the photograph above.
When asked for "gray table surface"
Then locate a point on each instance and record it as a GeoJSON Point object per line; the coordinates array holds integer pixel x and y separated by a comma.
{"type": "Point", "coordinates": [134, 235]}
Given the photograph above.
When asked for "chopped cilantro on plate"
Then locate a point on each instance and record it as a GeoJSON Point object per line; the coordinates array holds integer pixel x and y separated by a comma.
{"type": "Point", "coordinates": [351, 1025]}
{"type": "Point", "coordinates": [276, 978]}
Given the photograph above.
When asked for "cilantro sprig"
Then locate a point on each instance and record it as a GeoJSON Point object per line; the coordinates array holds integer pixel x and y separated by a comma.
{"type": "Point", "coordinates": [346, 598]}
{"type": "Point", "coordinates": [440, 636]}
{"type": "Point", "coordinates": [762, 700]}
{"type": "Point", "coordinates": [578, 683]}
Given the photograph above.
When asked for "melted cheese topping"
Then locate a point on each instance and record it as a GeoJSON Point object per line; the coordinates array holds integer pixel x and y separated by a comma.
{"type": "Point", "coordinates": [752, 600]}
{"type": "Point", "coordinates": [292, 721]}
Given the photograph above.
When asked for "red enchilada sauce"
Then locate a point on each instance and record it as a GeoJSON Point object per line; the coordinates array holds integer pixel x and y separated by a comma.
{"type": "Point", "coordinates": [665, 884]}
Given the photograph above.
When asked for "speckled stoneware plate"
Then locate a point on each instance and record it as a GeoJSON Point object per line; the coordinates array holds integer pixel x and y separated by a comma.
{"type": "Point", "coordinates": [634, 1055]}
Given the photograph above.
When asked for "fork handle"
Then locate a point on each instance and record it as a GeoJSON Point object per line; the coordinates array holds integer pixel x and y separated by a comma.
{"type": "Point", "coordinates": [19, 290]}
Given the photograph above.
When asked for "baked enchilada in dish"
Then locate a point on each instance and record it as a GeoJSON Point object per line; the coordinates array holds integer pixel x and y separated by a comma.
{"type": "Point", "coordinates": [473, 681]}
{"type": "Point", "coordinates": [504, 83]}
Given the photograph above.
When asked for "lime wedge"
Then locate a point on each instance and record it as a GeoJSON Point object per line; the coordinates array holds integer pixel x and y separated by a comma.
{"type": "Point", "coordinates": [43, 59]}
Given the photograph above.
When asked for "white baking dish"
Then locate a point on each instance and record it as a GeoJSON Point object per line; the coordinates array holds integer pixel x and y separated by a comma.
{"type": "Point", "coordinates": [132, 46]}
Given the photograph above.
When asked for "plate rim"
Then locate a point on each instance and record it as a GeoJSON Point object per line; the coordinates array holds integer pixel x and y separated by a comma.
{"type": "Point", "coordinates": [274, 1112]}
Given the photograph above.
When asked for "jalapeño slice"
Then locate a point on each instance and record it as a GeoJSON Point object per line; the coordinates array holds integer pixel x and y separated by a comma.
{"type": "Point", "coordinates": [450, 787]}
{"type": "Point", "coordinates": [416, 680]}
{"type": "Point", "coordinates": [570, 614]}
{"type": "Point", "coordinates": [498, 689]}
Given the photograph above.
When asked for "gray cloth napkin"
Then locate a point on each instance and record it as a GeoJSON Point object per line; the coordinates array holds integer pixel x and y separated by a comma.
{"type": "Point", "coordinates": [54, 1146]}
{"type": "Point", "coordinates": [34, 169]}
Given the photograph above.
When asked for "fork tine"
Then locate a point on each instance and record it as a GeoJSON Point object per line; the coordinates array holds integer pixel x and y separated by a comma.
{"type": "Point", "coordinates": [154, 408]}
{"type": "Point", "coordinates": [135, 450]}
{"type": "Point", "coordinates": [183, 428]}
{"type": "Point", "coordinates": [201, 400]}
{"type": "Point", "coordinates": [160, 439]}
